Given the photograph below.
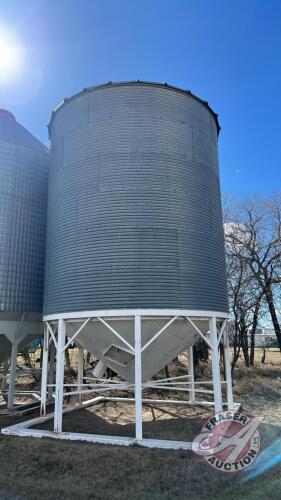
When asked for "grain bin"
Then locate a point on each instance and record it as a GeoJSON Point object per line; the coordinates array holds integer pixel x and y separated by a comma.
{"type": "Point", "coordinates": [134, 222]}
{"type": "Point", "coordinates": [23, 198]}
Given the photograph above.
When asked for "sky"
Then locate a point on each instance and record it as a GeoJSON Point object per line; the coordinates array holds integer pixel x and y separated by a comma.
{"type": "Point", "coordinates": [226, 52]}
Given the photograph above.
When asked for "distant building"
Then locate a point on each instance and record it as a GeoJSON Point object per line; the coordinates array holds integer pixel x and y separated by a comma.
{"type": "Point", "coordinates": [264, 337]}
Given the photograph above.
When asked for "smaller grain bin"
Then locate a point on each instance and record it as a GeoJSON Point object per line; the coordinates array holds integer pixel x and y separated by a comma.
{"type": "Point", "coordinates": [23, 198]}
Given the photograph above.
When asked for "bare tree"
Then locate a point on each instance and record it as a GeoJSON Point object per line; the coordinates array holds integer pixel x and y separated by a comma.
{"type": "Point", "coordinates": [254, 240]}
{"type": "Point", "coordinates": [244, 300]}
{"type": "Point", "coordinates": [256, 314]}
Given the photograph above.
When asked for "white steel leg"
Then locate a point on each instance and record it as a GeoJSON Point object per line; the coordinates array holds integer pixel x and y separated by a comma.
{"type": "Point", "coordinates": [51, 370]}
{"type": "Point", "coordinates": [80, 371]}
{"type": "Point", "coordinates": [59, 377]}
{"type": "Point", "coordinates": [138, 379]}
{"type": "Point", "coordinates": [191, 373]}
{"type": "Point", "coordinates": [228, 370]}
{"type": "Point", "coordinates": [215, 364]}
{"type": "Point", "coordinates": [44, 375]}
{"type": "Point", "coordinates": [13, 374]}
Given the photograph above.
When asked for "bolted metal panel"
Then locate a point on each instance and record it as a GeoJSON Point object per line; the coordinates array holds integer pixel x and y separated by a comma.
{"type": "Point", "coordinates": [24, 165]}
{"type": "Point", "coordinates": [134, 212]}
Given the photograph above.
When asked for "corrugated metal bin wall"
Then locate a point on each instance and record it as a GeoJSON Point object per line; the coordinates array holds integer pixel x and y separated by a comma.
{"type": "Point", "coordinates": [134, 215]}
{"type": "Point", "coordinates": [24, 163]}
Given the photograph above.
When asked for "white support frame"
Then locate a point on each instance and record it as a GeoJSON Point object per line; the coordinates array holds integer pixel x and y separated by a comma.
{"type": "Point", "coordinates": [13, 374]}
{"type": "Point", "coordinates": [59, 377]}
{"type": "Point", "coordinates": [138, 379]}
{"type": "Point", "coordinates": [80, 372]}
{"type": "Point", "coordinates": [191, 374]}
{"type": "Point", "coordinates": [184, 383]}
{"type": "Point", "coordinates": [44, 375]}
{"type": "Point", "coordinates": [215, 364]}
{"type": "Point", "coordinates": [228, 377]}
{"type": "Point", "coordinates": [10, 374]}
{"type": "Point", "coordinates": [51, 377]}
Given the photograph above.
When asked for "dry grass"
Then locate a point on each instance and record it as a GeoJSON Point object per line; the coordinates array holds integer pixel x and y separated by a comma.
{"type": "Point", "coordinates": [48, 469]}
{"type": "Point", "coordinates": [259, 388]}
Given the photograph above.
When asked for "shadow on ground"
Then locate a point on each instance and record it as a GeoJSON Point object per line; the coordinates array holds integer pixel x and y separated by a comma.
{"type": "Point", "coordinates": [117, 419]}
{"type": "Point", "coordinates": [49, 469]}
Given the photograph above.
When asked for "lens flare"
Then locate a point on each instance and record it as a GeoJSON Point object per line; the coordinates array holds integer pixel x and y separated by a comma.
{"type": "Point", "coordinates": [11, 60]}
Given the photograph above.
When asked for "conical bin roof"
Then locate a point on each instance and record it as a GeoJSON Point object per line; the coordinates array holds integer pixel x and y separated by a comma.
{"type": "Point", "coordinates": [12, 131]}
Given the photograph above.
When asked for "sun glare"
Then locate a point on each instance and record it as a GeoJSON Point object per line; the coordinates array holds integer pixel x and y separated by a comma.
{"type": "Point", "coordinates": [11, 60]}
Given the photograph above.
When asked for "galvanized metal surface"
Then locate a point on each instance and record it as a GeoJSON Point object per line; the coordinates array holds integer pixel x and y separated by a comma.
{"type": "Point", "coordinates": [23, 196]}
{"type": "Point", "coordinates": [137, 83]}
{"type": "Point", "coordinates": [6, 345]}
{"type": "Point", "coordinates": [134, 215]}
{"type": "Point", "coordinates": [99, 340]}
